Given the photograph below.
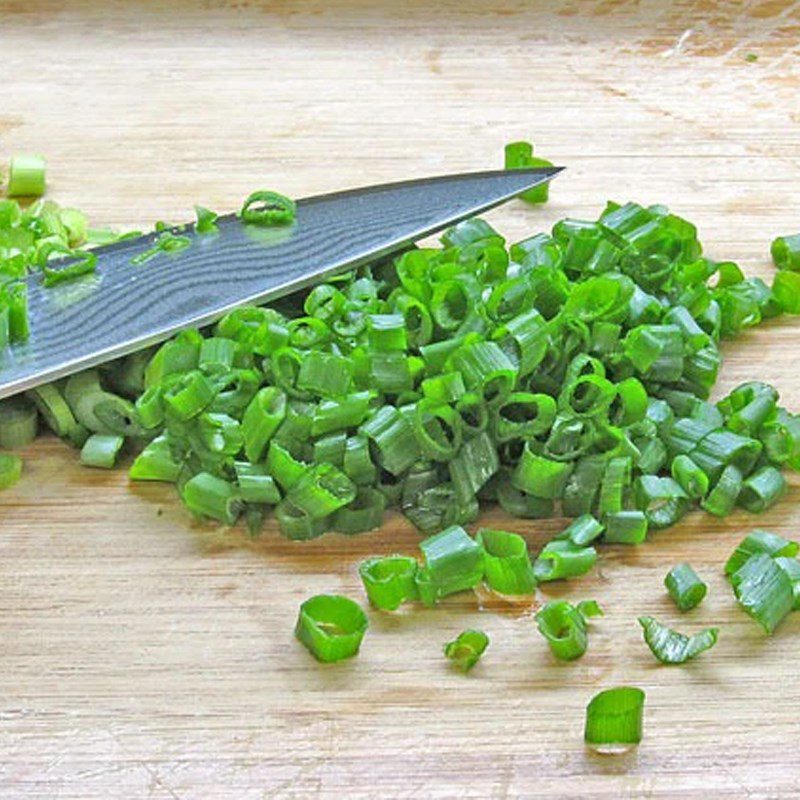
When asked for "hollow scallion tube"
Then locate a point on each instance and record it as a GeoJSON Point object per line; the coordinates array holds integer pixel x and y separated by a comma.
{"type": "Point", "coordinates": [625, 527]}
{"type": "Point", "coordinates": [389, 582]}
{"type": "Point", "coordinates": [26, 176]}
{"type": "Point", "coordinates": [453, 562]}
{"type": "Point", "coordinates": [685, 587]}
{"type": "Point", "coordinates": [760, 542]}
{"type": "Point", "coordinates": [321, 490]}
{"type": "Point", "coordinates": [614, 719]}
{"type": "Point", "coordinates": [331, 627]}
{"type": "Point", "coordinates": [362, 514]}
{"type": "Point", "coordinates": [210, 496]}
{"type": "Point", "coordinates": [762, 489]}
{"type": "Point", "coordinates": [101, 450]}
{"type": "Point", "coordinates": [785, 251]}
{"type": "Point", "coordinates": [262, 418]}
{"type": "Point", "coordinates": [689, 476]}
{"type": "Point", "coordinates": [507, 565]}
{"type": "Point", "coordinates": [466, 649]}
{"type": "Point", "coordinates": [764, 591]}
{"type": "Point", "coordinates": [582, 531]}
{"type": "Point", "coordinates": [564, 628]}
{"type": "Point", "coordinates": [560, 559]}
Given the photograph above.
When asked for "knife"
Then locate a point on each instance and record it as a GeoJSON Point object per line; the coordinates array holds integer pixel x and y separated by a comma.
{"type": "Point", "coordinates": [122, 307]}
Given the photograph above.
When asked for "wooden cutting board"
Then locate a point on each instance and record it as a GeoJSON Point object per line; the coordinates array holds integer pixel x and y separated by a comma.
{"type": "Point", "coordinates": [142, 655]}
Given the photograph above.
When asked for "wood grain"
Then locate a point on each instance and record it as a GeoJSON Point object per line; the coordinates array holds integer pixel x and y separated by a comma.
{"type": "Point", "coordinates": [145, 656]}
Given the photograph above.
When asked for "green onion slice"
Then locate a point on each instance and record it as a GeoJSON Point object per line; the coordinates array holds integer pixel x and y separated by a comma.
{"type": "Point", "coordinates": [685, 587]}
{"type": "Point", "coordinates": [671, 647]}
{"type": "Point", "coordinates": [268, 208]}
{"type": "Point", "coordinates": [564, 627]}
{"type": "Point", "coordinates": [331, 627]}
{"type": "Point", "coordinates": [389, 582]}
{"type": "Point", "coordinates": [466, 649]}
{"type": "Point", "coordinates": [507, 565]}
{"type": "Point", "coordinates": [614, 719]}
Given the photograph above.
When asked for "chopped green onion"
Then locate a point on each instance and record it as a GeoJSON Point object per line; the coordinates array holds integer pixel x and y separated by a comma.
{"type": "Point", "coordinates": [209, 496]}
{"type": "Point", "coordinates": [389, 582]}
{"type": "Point", "coordinates": [582, 531]}
{"type": "Point", "coordinates": [331, 627]}
{"type": "Point", "coordinates": [255, 484]}
{"type": "Point", "coordinates": [474, 464]}
{"type": "Point", "coordinates": [564, 627]}
{"type": "Point", "coordinates": [791, 567]}
{"type": "Point", "coordinates": [100, 450]}
{"type": "Point", "coordinates": [166, 242]}
{"type": "Point", "coordinates": [452, 562]}
{"type": "Point", "coordinates": [762, 489]}
{"type": "Point", "coordinates": [589, 608]}
{"type": "Point", "coordinates": [507, 565]}
{"type": "Point", "coordinates": [689, 477]}
{"type": "Point", "coordinates": [261, 419]}
{"type": "Point", "coordinates": [18, 423]}
{"type": "Point", "coordinates": [685, 587]}
{"type": "Point", "coordinates": [363, 513]}
{"type": "Point", "coordinates": [722, 498]}
{"type": "Point", "coordinates": [189, 395]}
{"type": "Point", "coordinates": [625, 527]}
{"type": "Point", "coordinates": [155, 463]}
{"type": "Point", "coordinates": [519, 155]}
{"type": "Point", "coordinates": [268, 208]}
{"type": "Point", "coordinates": [764, 591]}
{"type": "Point", "coordinates": [614, 719]}
{"type": "Point", "coordinates": [785, 251]}
{"type": "Point", "coordinates": [296, 524]}
{"type": "Point", "coordinates": [321, 490]}
{"type": "Point", "coordinates": [662, 499]}
{"type": "Point", "coordinates": [84, 263]}
{"type": "Point", "coordinates": [466, 649]}
{"type": "Point", "coordinates": [26, 176]}
{"type": "Point", "coordinates": [560, 559]}
{"type": "Point", "coordinates": [759, 542]}
{"type": "Point", "coordinates": [206, 220]}
{"type": "Point", "coordinates": [671, 647]}
{"type": "Point", "coordinates": [393, 438]}
{"type": "Point", "coordinates": [10, 469]}
{"type": "Point", "coordinates": [540, 476]}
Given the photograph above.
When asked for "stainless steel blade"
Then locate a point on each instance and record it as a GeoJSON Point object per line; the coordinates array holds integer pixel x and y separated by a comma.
{"type": "Point", "coordinates": [121, 307]}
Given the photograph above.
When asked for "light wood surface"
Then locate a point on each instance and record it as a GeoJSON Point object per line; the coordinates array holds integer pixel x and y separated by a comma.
{"type": "Point", "coordinates": [142, 655]}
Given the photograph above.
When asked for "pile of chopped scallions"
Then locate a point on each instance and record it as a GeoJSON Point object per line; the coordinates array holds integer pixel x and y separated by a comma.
{"type": "Point", "coordinates": [566, 374]}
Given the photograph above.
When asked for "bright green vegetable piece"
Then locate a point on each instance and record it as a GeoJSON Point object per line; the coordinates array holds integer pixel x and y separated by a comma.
{"type": "Point", "coordinates": [101, 450]}
{"type": "Point", "coordinates": [26, 176]}
{"type": "Point", "coordinates": [785, 252]}
{"type": "Point", "coordinates": [452, 562]}
{"type": "Point", "coordinates": [331, 627]}
{"type": "Point", "coordinates": [466, 649]}
{"type": "Point", "coordinates": [764, 590]}
{"type": "Point", "coordinates": [671, 647]}
{"type": "Point", "coordinates": [507, 565]}
{"type": "Point", "coordinates": [519, 155]}
{"type": "Point", "coordinates": [614, 719]}
{"type": "Point", "coordinates": [685, 587]}
{"type": "Point", "coordinates": [565, 629]}
{"type": "Point", "coordinates": [759, 542]}
{"type": "Point", "coordinates": [10, 469]}
{"type": "Point", "coordinates": [389, 582]}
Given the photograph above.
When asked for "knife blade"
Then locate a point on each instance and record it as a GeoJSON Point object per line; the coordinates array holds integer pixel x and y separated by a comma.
{"type": "Point", "coordinates": [123, 307]}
